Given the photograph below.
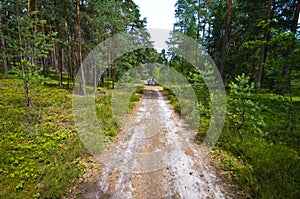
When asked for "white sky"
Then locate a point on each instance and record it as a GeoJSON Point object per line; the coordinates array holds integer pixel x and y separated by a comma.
{"type": "Point", "coordinates": [159, 13]}
{"type": "Point", "coordinates": [160, 19]}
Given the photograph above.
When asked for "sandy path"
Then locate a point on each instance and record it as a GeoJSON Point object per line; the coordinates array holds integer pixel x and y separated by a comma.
{"type": "Point", "coordinates": [155, 157]}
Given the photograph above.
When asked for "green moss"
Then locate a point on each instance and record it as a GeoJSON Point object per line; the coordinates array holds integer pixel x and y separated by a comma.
{"type": "Point", "coordinates": [39, 146]}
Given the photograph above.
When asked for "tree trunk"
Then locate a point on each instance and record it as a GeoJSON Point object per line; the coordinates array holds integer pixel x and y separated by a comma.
{"type": "Point", "coordinates": [95, 78]}
{"type": "Point", "coordinates": [28, 6]}
{"type": "Point", "coordinates": [210, 50]}
{"type": "Point", "coordinates": [66, 52]}
{"type": "Point", "coordinates": [204, 25]}
{"type": "Point", "coordinates": [264, 48]}
{"type": "Point", "coordinates": [72, 58]}
{"type": "Point", "coordinates": [34, 33]}
{"type": "Point", "coordinates": [198, 21]}
{"type": "Point", "coordinates": [80, 49]}
{"type": "Point", "coordinates": [198, 29]}
{"type": "Point", "coordinates": [36, 14]}
{"type": "Point", "coordinates": [54, 58]}
{"type": "Point", "coordinates": [287, 68]}
{"type": "Point", "coordinates": [113, 77]}
{"type": "Point", "coordinates": [20, 39]}
{"type": "Point", "coordinates": [56, 48]}
{"type": "Point", "coordinates": [61, 60]}
{"type": "Point", "coordinates": [21, 57]}
{"type": "Point", "coordinates": [296, 18]}
{"type": "Point", "coordinates": [108, 69]}
{"type": "Point", "coordinates": [184, 47]}
{"type": "Point", "coordinates": [27, 95]}
{"type": "Point", "coordinates": [203, 31]}
{"type": "Point", "coordinates": [4, 58]}
{"type": "Point", "coordinates": [225, 39]}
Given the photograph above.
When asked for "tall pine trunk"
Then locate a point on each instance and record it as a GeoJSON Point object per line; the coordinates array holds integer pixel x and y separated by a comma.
{"type": "Point", "coordinates": [35, 33]}
{"type": "Point", "coordinates": [66, 56]}
{"type": "Point", "coordinates": [61, 58]}
{"type": "Point", "coordinates": [285, 74]}
{"type": "Point", "coordinates": [198, 21]}
{"type": "Point", "coordinates": [80, 49]}
{"type": "Point", "coordinates": [57, 49]}
{"type": "Point", "coordinates": [26, 87]}
{"type": "Point", "coordinates": [264, 48]}
{"type": "Point", "coordinates": [296, 18]}
{"type": "Point", "coordinates": [225, 39]}
{"type": "Point", "coordinates": [4, 58]}
{"type": "Point", "coordinates": [198, 28]}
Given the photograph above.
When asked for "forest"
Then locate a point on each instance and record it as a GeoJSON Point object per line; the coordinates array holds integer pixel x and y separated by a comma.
{"type": "Point", "coordinates": [254, 44]}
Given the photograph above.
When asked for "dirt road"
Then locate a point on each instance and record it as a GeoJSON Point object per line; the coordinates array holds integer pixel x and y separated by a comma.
{"type": "Point", "coordinates": [155, 156]}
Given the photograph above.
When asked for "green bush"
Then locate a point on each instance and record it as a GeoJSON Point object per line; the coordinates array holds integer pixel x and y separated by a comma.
{"type": "Point", "coordinates": [256, 133]}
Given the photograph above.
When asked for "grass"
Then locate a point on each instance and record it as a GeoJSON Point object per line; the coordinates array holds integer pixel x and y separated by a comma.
{"type": "Point", "coordinates": [201, 125]}
{"type": "Point", "coordinates": [268, 154]}
{"type": "Point", "coordinates": [40, 149]}
{"type": "Point", "coordinates": [135, 97]}
{"type": "Point", "coordinates": [41, 155]}
{"type": "Point", "coordinates": [172, 97]}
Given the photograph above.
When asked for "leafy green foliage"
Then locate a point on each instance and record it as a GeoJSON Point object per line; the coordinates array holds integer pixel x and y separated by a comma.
{"type": "Point", "coordinates": [263, 155]}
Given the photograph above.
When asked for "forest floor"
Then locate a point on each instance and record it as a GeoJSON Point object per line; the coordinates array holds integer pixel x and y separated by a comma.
{"type": "Point", "coordinates": [155, 156]}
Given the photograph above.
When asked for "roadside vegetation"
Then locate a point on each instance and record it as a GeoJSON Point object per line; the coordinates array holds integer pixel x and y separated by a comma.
{"type": "Point", "coordinates": [43, 45]}
{"type": "Point", "coordinates": [41, 155]}
{"type": "Point", "coordinates": [255, 46]}
{"type": "Point", "coordinates": [259, 145]}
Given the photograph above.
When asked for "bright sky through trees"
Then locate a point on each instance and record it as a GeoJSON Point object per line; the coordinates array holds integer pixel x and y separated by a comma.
{"type": "Point", "coordinates": [159, 13]}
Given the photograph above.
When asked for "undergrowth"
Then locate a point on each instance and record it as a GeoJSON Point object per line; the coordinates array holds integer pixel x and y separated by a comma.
{"type": "Point", "coordinates": [261, 133]}
{"type": "Point", "coordinates": [40, 149]}
{"type": "Point", "coordinates": [172, 97]}
{"type": "Point", "coordinates": [41, 153]}
{"type": "Point", "coordinates": [259, 145]}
